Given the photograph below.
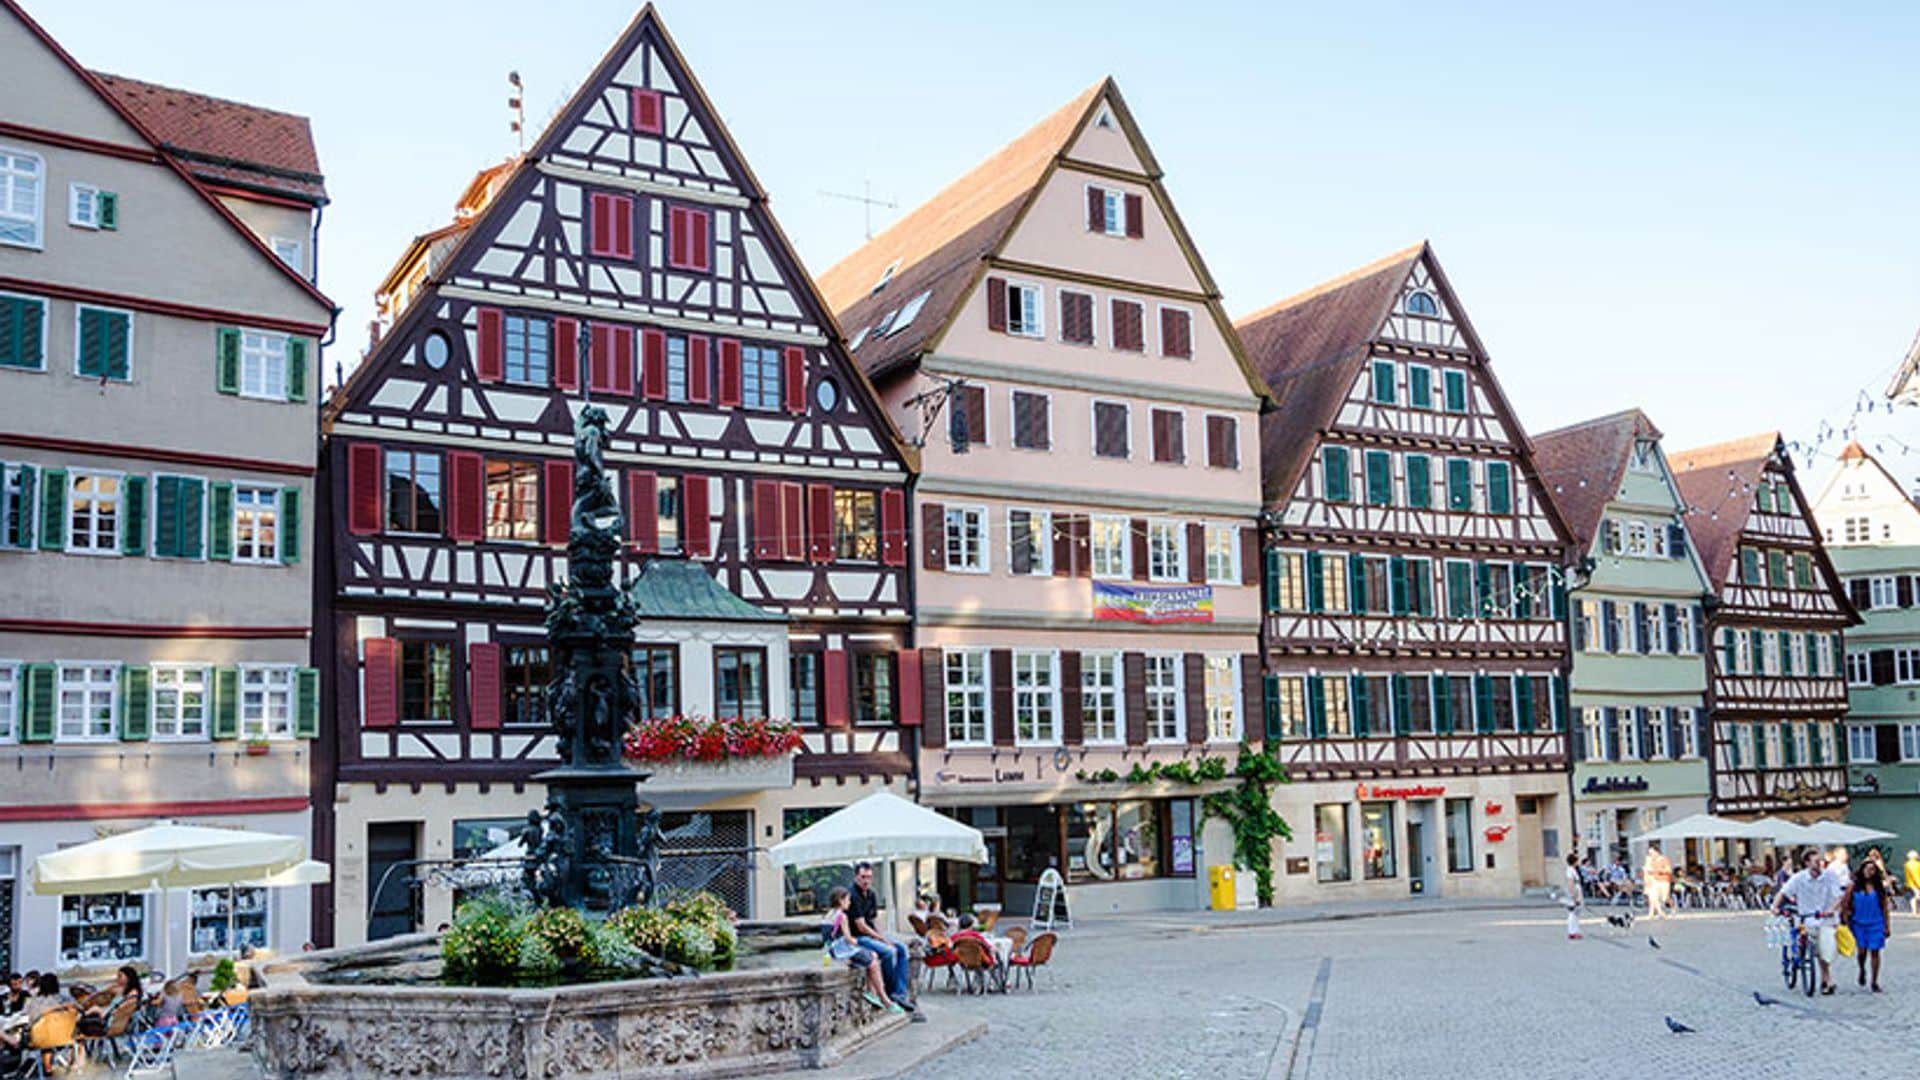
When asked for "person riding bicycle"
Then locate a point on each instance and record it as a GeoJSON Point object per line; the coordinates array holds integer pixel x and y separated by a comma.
{"type": "Point", "coordinates": [1815, 895]}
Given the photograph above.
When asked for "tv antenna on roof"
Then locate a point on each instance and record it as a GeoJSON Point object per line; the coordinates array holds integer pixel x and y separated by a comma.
{"type": "Point", "coordinates": [867, 202]}
{"type": "Point", "coordinates": [516, 109]}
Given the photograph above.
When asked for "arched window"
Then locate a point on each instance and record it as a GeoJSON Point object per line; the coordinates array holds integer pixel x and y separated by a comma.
{"type": "Point", "coordinates": [1422, 303]}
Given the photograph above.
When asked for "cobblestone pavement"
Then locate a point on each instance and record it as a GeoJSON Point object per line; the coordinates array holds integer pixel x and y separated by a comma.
{"type": "Point", "coordinates": [1458, 993]}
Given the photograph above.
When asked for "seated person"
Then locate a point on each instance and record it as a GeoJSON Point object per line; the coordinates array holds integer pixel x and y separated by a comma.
{"type": "Point", "coordinates": [48, 997]}
{"type": "Point", "coordinates": [126, 984]}
{"type": "Point", "coordinates": [16, 996]}
{"type": "Point", "coordinates": [836, 933]}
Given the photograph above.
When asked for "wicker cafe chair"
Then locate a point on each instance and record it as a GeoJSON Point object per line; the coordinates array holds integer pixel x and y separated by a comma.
{"type": "Point", "coordinates": [939, 955]}
{"type": "Point", "coordinates": [975, 962]}
{"type": "Point", "coordinates": [122, 1021]}
{"type": "Point", "coordinates": [919, 925]}
{"type": "Point", "coordinates": [53, 1042]}
{"type": "Point", "coordinates": [1018, 935]}
{"type": "Point", "coordinates": [988, 920]}
{"type": "Point", "coordinates": [1036, 956]}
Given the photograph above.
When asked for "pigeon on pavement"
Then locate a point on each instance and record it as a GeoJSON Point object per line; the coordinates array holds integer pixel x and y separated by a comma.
{"type": "Point", "coordinates": [1677, 1027]}
{"type": "Point", "coordinates": [1652, 942]}
{"type": "Point", "coordinates": [1762, 999]}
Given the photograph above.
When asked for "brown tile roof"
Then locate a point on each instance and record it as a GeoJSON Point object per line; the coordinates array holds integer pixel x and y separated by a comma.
{"type": "Point", "coordinates": [1309, 348]}
{"type": "Point", "coordinates": [1717, 483]}
{"type": "Point", "coordinates": [226, 142]}
{"type": "Point", "coordinates": [1582, 465]}
{"type": "Point", "coordinates": [938, 246]}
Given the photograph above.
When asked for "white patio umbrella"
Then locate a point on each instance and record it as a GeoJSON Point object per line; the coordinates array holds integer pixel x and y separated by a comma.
{"type": "Point", "coordinates": [305, 872]}
{"type": "Point", "coordinates": [1704, 826]}
{"type": "Point", "coordinates": [880, 828]}
{"type": "Point", "coordinates": [1782, 832]}
{"type": "Point", "coordinates": [166, 856]}
{"type": "Point", "coordinates": [1839, 832]}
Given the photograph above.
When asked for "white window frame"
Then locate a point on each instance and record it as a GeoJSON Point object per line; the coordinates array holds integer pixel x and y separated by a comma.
{"type": "Point", "coordinates": [1113, 211]}
{"type": "Point", "coordinates": [1743, 658]}
{"type": "Point", "coordinates": [1093, 307]}
{"type": "Point", "coordinates": [975, 689]}
{"type": "Point", "coordinates": [269, 674]}
{"type": "Point", "coordinates": [1206, 436]}
{"type": "Point", "coordinates": [1626, 733]}
{"type": "Point", "coordinates": [1155, 691]}
{"type": "Point", "coordinates": [1592, 627]}
{"type": "Point", "coordinates": [1662, 747]}
{"type": "Point", "coordinates": [1857, 529]}
{"type": "Point", "coordinates": [1802, 743]}
{"type": "Point", "coordinates": [274, 492]}
{"type": "Point", "coordinates": [1797, 655]}
{"type": "Point", "coordinates": [1773, 740]}
{"type": "Point", "coordinates": [1769, 653]}
{"type": "Point", "coordinates": [1653, 629]}
{"type": "Point", "coordinates": [81, 309]}
{"type": "Point", "coordinates": [1290, 594]}
{"type": "Point", "coordinates": [1862, 745]}
{"type": "Point", "coordinates": [87, 687]}
{"type": "Point", "coordinates": [1215, 536]}
{"type": "Point", "coordinates": [1859, 669]}
{"type": "Point", "coordinates": [1039, 294]}
{"type": "Point", "coordinates": [1909, 742]}
{"type": "Point", "coordinates": [1683, 621]}
{"type": "Point", "coordinates": [1225, 716]}
{"type": "Point", "coordinates": [1824, 645]}
{"type": "Point", "coordinates": [1095, 548]}
{"type": "Point", "coordinates": [1639, 540]}
{"type": "Point", "coordinates": [1157, 530]}
{"type": "Point", "coordinates": [169, 729]}
{"type": "Point", "coordinates": [79, 195]}
{"type": "Point", "coordinates": [1689, 719]}
{"type": "Point", "coordinates": [1594, 721]}
{"type": "Point", "coordinates": [1097, 689]}
{"type": "Point", "coordinates": [1906, 665]}
{"type": "Point", "coordinates": [972, 518]}
{"type": "Point", "coordinates": [1029, 700]}
{"type": "Point", "coordinates": [1093, 429]}
{"type": "Point", "coordinates": [1193, 343]}
{"type": "Point", "coordinates": [1881, 593]}
{"type": "Point", "coordinates": [114, 546]}
{"type": "Point", "coordinates": [36, 220]}
{"type": "Point", "coordinates": [282, 244]}
{"type": "Point", "coordinates": [11, 693]}
{"type": "Point", "coordinates": [261, 345]}
{"type": "Point", "coordinates": [1040, 525]}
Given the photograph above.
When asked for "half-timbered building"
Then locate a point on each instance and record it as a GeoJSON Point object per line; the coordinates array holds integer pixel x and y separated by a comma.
{"type": "Point", "coordinates": [628, 258]}
{"type": "Point", "coordinates": [1638, 686]}
{"type": "Point", "coordinates": [157, 437]}
{"type": "Point", "coordinates": [1776, 694]}
{"type": "Point", "coordinates": [1414, 632]}
{"type": "Point", "coordinates": [1087, 600]}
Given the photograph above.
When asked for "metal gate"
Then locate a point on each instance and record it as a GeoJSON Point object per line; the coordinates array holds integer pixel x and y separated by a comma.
{"type": "Point", "coordinates": [709, 851]}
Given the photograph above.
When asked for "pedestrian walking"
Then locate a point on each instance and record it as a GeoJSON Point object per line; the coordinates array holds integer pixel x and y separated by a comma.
{"type": "Point", "coordinates": [1815, 895]}
{"type": "Point", "coordinates": [1837, 865]}
{"type": "Point", "coordinates": [1575, 897]}
{"type": "Point", "coordinates": [1913, 882]}
{"type": "Point", "coordinates": [1868, 909]}
{"type": "Point", "coordinates": [1656, 875]}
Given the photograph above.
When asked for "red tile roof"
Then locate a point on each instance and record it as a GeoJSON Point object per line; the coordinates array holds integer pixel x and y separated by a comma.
{"type": "Point", "coordinates": [1582, 466]}
{"type": "Point", "coordinates": [1717, 483]}
{"type": "Point", "coordinates": [226, 143]}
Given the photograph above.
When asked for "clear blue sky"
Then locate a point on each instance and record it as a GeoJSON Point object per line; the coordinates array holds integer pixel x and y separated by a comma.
{"type": "Point", "coordinates": [1712, 214]}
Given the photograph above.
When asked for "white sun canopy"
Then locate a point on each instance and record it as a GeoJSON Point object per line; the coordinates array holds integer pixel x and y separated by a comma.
{"type": "Point", "coordinates": [879, 828]}
{"type": "Point", "coordinates": [1704, 826]}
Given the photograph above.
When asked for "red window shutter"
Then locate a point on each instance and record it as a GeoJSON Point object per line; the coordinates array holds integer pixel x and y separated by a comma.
{"type": "Point", "coordinates": [623, 360]}
{"type": "Point", "coordinates": [835, 687]}
{"type": "Point", "coordinates": [558, 501]}
{"type": "Point", "coordinates": [701, 257]}
{"type": "Point", "coordinates": [729, 372]}
{"type": "Point", "coordinates": [599, 228]}
{"type": "Point", "coordinates": [566, 354]}
{"type": "Point", "coordinates": [653, 380]}
{"type": "Point", "coordinates": [699, 383]}
{"type": "Point", "coordinates": [483, 686]}
{"type": "Point", "coordinates": [466, 491]}
{"type": "Point", "coordinates": [997, 303]}
{"type": "Point", "coordinates": [820, 523]}
{"type": "Point", "coordinates": [646, 111]}
{"type": "Point", "coordinates": [1136, 224]}
{"type": "Point", "coordinates": [1096, 209]}
{"type": "Point", "coordinates": [622, 227]}
{"type": "Point", "coordinates": [766, 519]}
{"type": "Point", "coordinates": [643, 511]}
{"type": "Point", "coordinates": [489, 366]}
{"type": "Point", "coordinates": [893, 527]}
{"type": "Point", "coordinates": [363, 489]}
{"type": "Point", "coordinates": [600, 358]}
{"type": "Point", "coordinates": [794, 378]}
{"type": "Point", "coordinates": [380, 683]}
{"type": "Point", "coordinates": [696, 526]}
{"type": "Point", "coordinates": [907, 663]}
{"type": "Point", "coordinates": [677, 229]}
{"type": "Point", "coordinates": [793, 526]}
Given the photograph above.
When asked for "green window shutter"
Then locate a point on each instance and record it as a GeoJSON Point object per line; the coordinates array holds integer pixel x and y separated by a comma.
{"type": "Point", "coordinates": [53, 510]}
{"type": "Point", "coordinates": [135, 718]}
{"type": "Point", "coordinates": [20, 528]}
{"type": "Point", "coordinates": [106, 210]}
{"type": "Point", "coordinates": [1459, 485]}
{"type": "Point", "coordinates": [226, 703]}
{"type": "Point", "coordinates": [1749, 566]}
{"type": "Point", "coordinates": [1359, 702]}
{"type": "Point", "coordinates": [133, 514]}
{"type": "Point", "coordinates": [1420, 387]}
{"type": "Point", "coordinates": [1317, 706]}
{"type": "Point", "coordinates": [1483, 701]}
{"type": "Point", "coordinates": [21, 322]}
{"type": "Point", "coordinates": [42, 703]}
{"type": "Point", "coordinates": [1335, 477]}
{"type": "Point", "coordinates": [1560, 598]}
{"type": "Point", "coordinates": [1356, 584]}
{"type": "Point", "coordinates": [1456, 382]}
{"type": "Point", "coordinates": [1757, 640]}
{"type": "Point", "coordinates": [166, 517]}
{"type": "Point", "coordinates": [1459, 590]}
{"type": "Point", "coordinates": [1379, 478]}
{"type": "Point", "coordinates": [1402, 706]}
{"type": "Point", "coordinates": [306, 708]}
{"type": "Point", "coordinates": [104, 343]}
{"type": "Point", "coordinates": [1523, 703]}
{"type": "Point", "coordinates": [1789, 753]}
{"type": "Point", "coordinates": [1397, 585]}
{"type": "Point", "coordinates": [193, 518]}
{"type": "Point", "coordinates": [1499, 487]}
{"type": "Point", "coordinates": [1485, 603]}
{"type": "Point", "coordinates": [222, 546]}
{"type": "Point", "coordinates": [1442, 704]}
{"type": "Point", "coordinates": [1419, 478]}
{"type": "Point", "coordinates": [1522, 592]}
{"type": "Point", "coordinates": [1316, 588]}
{"type": "Point", "coordinates": [289, 531]}
{"type": "Point", "coordinates": [1383, 381]}
{"type": "Point", "coordinates": [297, 368]}
{"type": "Point", "coordinates": [1270, 579]}
{"type": "Point", "coordinates": [226, 360]}
{"type": "Point", "coordinates": [1270, 698]}
{"type": "Point", "coordinates": [1763, 497]}
{"type": "Point", "coordinates": [1560, 703]}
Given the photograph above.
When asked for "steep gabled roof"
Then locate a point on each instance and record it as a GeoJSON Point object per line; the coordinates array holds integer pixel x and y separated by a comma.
{"type": "Point", "coordinates": [1583, 465]}
{"type": "Point", "coordinates": [1905, 387]}
{"type": "Point", "coordinates": [1717, 482]}
{"type": "Point", "coordinates": [227, 142]}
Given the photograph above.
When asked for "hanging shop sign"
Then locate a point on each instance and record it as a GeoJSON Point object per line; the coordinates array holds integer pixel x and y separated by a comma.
{"type": "Point", "coordinates": [1497, 833]}
{"type": "Point", "coordinates": [1147, 604]}
{"type": "Point", "coordinates": [1416, 791]}
{"type": "Point", "coordinates": [1610, 785]}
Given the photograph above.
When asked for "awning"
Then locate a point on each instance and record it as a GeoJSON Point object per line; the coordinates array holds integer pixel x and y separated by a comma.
{"type": "Point", "coordinates": [883, 826]}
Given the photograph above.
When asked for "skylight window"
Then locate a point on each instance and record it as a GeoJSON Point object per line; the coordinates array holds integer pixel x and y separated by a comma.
{"type": "Point", "coordinates": [858, 339]}
{"type": "Point", "coordinates": [885, 276]}
{"type": "Point", "coordinates": [907, 312]}
{"type": "Point", "coordinates": [880, 328]}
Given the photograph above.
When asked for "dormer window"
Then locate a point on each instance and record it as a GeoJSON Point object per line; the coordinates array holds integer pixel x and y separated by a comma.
{"type": "Point", "coordinates": [1421, 302]}
{"type": "Point", "coordinates": [885, 276]}
{"type": "Point", "coordinates": [21, 184]}
{"type": "Point", "coordinates": [1113, 212]}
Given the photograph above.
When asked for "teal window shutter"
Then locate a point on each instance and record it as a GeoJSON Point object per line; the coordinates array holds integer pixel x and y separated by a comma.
{"type": "Point", "coordinates": [133, 514]}
{"type": "Point", "coordinates": [1317, 706]}
{"type": "Point", "coordinates": [1316, 588]}
{"type": "Point", "coordinates": [1402, 706]}
{"type": "Point", "coordinates": [226, 360]}
{"type": "Point", "coordinates": [1485, 602]}
{"type": "Point", "coordinates": [289, 525]}
{"type": "Point", "coordinates": [1459, 589]}
{"type": "Point", "coordinates": [1397, 585]}
{"type": "Point", "coordinates": [106, 210]}
{"type": "Point", "coordinates": [1499, 487]}
{"type": "Point", "coordinates": [1460, 485]}
{"type": "Point", "coordinates": [1420, 387]}
{"type": "Point", "coordinates": [1560, 598]}
{"type": "Point", "coordinates": [297, 368]}
{"type": "Point", "coordinates": [306, 710]}
{"type": "Point", "coordinates": [1442, 704]}
{"type": "Point", "coordinates": [1270, 697]}
{"type": "Point", "coordinates": [1270, 579]}
{"type": "Point", "coordinates": [135, 717]}
{"type": "Point", "coordinates": [20, 523]}
{"type": "Point", "coordinates": [1456, 386]}
{"type": "Point", "coordinates": [221, 547]}
{"type": "Point", "coordinates": [226, 703]}
{"type": "Point", "coordinates": [1483, 702]}
{"type": "Point", "coordinates": [1523, 702]}
{"type": "Point", "coordinates": [1383, 389]}
{"type": "Point", "coordinates": [1560, 702]}
{"type": "Point", "coordinates": [1359, 700]}
{"type": "Point", "coordinates": [53, 510]}
{"type": "Point", "coordinates": [179, 507]}
{"type": "Point", "coordinates": [42, 703]}
{"type": "Point", "coordinates": [1522, 592]}
{"type": "Point", "coordinates": [22, 332]}
{"type": "Point", "coordinates": [1379, 478]}
{"type": "Point", "coordinates": [1356, 584]}
{"type": "Point", "coordinates": [1336, 477]}
{"type": "Point", "coordinates": [105, 343]}
{"type": "Point", "coordinates": [1419, 478]}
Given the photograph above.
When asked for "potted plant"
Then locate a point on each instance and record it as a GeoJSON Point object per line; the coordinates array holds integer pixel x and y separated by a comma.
{"type": "Point", "coordinates": [258, 747]}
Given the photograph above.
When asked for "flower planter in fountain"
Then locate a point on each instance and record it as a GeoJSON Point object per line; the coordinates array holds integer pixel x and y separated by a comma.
{"type": "Point", "coordinates": [724, 775]}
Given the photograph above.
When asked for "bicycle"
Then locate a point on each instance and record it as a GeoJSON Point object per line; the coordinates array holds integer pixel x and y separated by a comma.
{"type": "Point", "coordinates": [1797, 954]}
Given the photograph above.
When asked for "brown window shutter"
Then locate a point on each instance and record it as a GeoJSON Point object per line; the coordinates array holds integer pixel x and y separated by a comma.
{"type": "Point", "coordinates": [833, 683]}
{"type": "Point", "coordinates": [1196, 552]}
{"type": "Point", "coordinates": [933, 536]}
{"type": "Point", "coordinates": [1072, 723]}
{"type": "Point", "coordinates": [1249, 555]}
{"type": "Point", "coordinates": [1136, 224]}
{"type": "Point", "coordinates": [912, 701]}
{"type": "Point", "coordinates": [1196, 695]}
{"type": "Point", "coordinates": [933, 699]}
{"type": "Point", "coordinates": [1020, 541]}
{"type": "Point", "coordinates": [1176, 437]}
{"type": "Point", "coordinates": [1082, 545]}
{"type": "Point", "coordinates": [976, 403]}
{"type": "Point", "coordinates": [1096, 210]}
{"type": "Point", "coordinates": [997, 303]}
{"type": "Point", "coordinates": [1000, 694]}
{"type": "Point", "coordinates": [1857, 593]}
{"type": "Point", "coordinates": [1903, 591]}
{"type": "Point", "coordinates": [1217, 442]}
{"type": "Point", "coordinates": [1062, 545]}
{"type": "Point", "coordinates": [1253, 722]}
{"type": "Point", "coordinates": [1133, 694]}
{"type": "Point", "coordinates": [1157, 433]}
{"type": "Point", "coordinates": [1137, 534]}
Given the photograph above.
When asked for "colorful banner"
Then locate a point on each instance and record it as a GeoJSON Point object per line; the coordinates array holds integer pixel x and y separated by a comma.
{"type": "Point", "coordinates": [1147, 604]}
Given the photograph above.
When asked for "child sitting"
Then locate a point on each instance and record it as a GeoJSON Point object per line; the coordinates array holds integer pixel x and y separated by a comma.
{"type": "Point", "coordinates": [837, 936]}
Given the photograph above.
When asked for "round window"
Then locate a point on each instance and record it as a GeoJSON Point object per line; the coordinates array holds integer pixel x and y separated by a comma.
{"type": "Point", "coordinates": [435, 350]}
{"type": "Point", "coordinates": [826, 394]}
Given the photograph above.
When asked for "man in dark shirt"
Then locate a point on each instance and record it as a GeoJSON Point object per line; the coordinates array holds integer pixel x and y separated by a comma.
{"type": "Point", "coordinates": [16, 997]}
{"type": "Point", "coordinates": [864, 912]}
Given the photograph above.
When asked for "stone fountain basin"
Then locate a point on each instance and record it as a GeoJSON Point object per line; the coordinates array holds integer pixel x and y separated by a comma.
{"type": "Point", "coordinates": [735, 1023]}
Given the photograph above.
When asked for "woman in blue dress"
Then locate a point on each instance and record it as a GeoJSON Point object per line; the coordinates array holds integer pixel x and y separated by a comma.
{"type": "Point", "coordinates": [1866, 907]}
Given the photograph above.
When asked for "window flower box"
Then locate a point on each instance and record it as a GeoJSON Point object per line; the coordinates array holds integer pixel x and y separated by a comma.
{"type": "Point", "coordinates": [697, 753]}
